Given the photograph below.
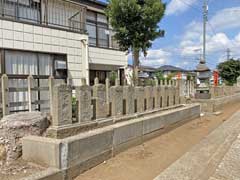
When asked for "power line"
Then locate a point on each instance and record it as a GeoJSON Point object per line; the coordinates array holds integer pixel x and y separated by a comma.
{"type": "Point", "coordinates": [190, 5]}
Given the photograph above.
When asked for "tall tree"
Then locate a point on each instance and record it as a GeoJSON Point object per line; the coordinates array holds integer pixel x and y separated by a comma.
{"type": "Point", "coordinates": [136, 25]}
{"type": "Point", "coordinates": [229, 71]}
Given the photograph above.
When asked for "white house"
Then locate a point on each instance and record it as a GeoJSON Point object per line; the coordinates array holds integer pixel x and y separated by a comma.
{"type": "Point", "coordinates": [67, 39]}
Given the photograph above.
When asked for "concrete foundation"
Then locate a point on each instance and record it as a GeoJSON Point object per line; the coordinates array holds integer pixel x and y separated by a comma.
{"type": "Point", "coordinates": [75, 154]}
{"type": "Point", "coordinates": [216, 104]}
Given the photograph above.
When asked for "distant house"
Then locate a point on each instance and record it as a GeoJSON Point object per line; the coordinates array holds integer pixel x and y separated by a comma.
{"type": "Point", "coordinates": [146, 72]}
{"type": "Point", "coordinates": [175, 71]}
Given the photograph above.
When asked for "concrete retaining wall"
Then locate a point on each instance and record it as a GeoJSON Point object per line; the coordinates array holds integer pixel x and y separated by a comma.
{"type": "Point", "coordinates": [78, 153]}
{"type": "Point", "coordinates": [216, 104]}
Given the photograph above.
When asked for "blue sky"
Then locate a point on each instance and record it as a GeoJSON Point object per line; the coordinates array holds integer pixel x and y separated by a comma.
{"type": "Point", "coordinates": [183, 39]}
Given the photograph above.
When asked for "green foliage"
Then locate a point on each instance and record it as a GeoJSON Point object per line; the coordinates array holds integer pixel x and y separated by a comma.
{"type": "Point", "coordinates": [229, 71]}
{"type": "Point", "coordinates": [74, 107]}
{"type": "Point", "coordinates": [136, 22]}
{"type": "Point", "coordinates": [149, 82]}
{"type": "Point", "coordinates": [112, 77]}
{"type": "Point", "coordinates": [159, 75]}
{"type": "Point", "coordinates": [170, 76]}
{"type": "Point", "coordinates": [189, 77]}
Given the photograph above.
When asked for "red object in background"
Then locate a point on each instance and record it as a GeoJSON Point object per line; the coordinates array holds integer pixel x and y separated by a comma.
{"type": "Point", "coordinates": [215, 76]}
{"type": "Point", "coordinates": [179, 75]}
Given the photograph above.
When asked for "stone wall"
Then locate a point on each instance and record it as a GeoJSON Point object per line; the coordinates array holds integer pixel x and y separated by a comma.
{"type": "Point", "coordinates": [78, 153]}
{"type": "Point", "coordinates": [221, 91]}
{"type": "Point", "coordinates": [100, 101]}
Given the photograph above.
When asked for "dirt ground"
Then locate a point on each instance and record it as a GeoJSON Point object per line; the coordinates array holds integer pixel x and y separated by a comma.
{"type": "Point", "coordinates": [18, 169]}
{"type": "Point", "coordinates": [145, 162]}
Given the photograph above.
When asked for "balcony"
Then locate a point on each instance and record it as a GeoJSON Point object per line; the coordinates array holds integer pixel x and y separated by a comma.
{"type": "Point", "coordinates": [52, 13]}
{"type": "Point", "coordinates": [59, 14]}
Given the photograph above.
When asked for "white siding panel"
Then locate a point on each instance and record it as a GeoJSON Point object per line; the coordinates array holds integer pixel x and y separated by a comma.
{"type": "Point", "coordinates": [22, 36]}
{"type": "Point", "coordinates": [107, 56]}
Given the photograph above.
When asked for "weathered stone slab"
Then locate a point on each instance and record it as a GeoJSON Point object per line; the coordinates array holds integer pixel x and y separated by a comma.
{"type": "Point", "coordinates": [62, 105]}
{"type": "Point", "coordinates": [128, 96]}
{"type": "Point", "coordinates": [85, 111]}
{"type": "Point", "coordinates": [149, 97]}
{"type": "Point", "coordinates": [139, 98]}
{"type": "Point", "coordinates": [99, 94]}
{"type": "Point", "coordinates": [117, 100]}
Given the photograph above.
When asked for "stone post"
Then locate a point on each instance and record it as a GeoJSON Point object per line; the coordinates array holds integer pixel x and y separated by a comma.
{"type": "Point", "coordinates": [162, 96]}
{"type": "Point", "coordinates": [62, 105]}
{"type": "Point", "coordinates": [107, 84]}
{"type": "Point", "coordinates": [176, 95]}
{"type": "Point", "coordinates": [139, 98]}
{"type": "Point", "coordinates": [5, 91]}
{"type": "Point", "coordinates": [99, 94]}
{"type": "Point", "coordinates": [83, 95]}
{"type": "Point", "coordinates": [96, 81]}
{"type": "Point", "coordinates": [30, 80]}
{"type": "Point", "coordinates": [50, 86]}
{"type": "Point", "coordinates": [238, 81]}
{"type": "Point", "coordinates": [156, 82]}
{"type": "Point", "coordinates": [161, 82]}
{"type": "Point", "coordinates": [128, 96]}
{"type": "Point", "coordinates": [149, 97]}
{"type": "Point", "coordinates": [117, 99]}
{"type": "Point", "coordinates": [156, 95]}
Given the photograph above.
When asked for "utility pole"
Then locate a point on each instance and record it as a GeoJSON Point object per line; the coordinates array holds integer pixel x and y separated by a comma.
{"type": "Point", "coordinates": [228, 54]}
{"type": "Point", "coordinates": [205, 18]}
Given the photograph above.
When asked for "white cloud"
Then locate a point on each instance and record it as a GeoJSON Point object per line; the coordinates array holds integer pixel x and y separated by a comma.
{"type": "Point", "coordinates": [155, 58]}
{"type": "Point", "coordinates": [226, 19]}
{"type": "Point", "coordinates": [179, 6]}
{"type": "Point", "coordinates": [216, 39]}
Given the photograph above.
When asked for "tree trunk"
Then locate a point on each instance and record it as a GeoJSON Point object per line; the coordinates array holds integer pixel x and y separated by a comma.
{"type": "Point", "coordinates": [135, 66]}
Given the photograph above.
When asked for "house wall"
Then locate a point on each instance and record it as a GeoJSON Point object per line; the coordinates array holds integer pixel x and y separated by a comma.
{"type": "Point", "coordinates": [107, 56]}
{"type": "Point", "coordinates": [20, 36]}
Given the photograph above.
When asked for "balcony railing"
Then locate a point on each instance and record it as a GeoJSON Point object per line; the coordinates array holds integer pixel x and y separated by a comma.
{"type": "Point", "coordinates": [58, 14]}
{"type": "Point", "coordinates": [54, 13]}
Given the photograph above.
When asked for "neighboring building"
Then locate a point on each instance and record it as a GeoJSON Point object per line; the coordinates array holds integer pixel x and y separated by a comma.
{"type": "Point", "coordinates": [145, 72]}
{"type": "Point", "coordinates": [67, 39]}
{"type": "Point", "coordinates": [177, 72]}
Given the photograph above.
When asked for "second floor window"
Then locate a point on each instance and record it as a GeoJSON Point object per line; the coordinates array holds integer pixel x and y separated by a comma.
{"type": "Point", "coordinates": [97, 27]}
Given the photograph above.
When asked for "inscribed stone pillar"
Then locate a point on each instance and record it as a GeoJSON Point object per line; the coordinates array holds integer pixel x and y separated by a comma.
{"type": "Point", "coordinates": [156, 95]}
{"type": "Point", "coordinates": [51, 86]}
{"type": "Point", "coordinates": [62, 105]}
{"type": "Point", "coordinates": [83, 95]}
{"type": "Point", "coordinates": [166, 96]}
{"type": "Point", "coordinates": [171, 95]}
{"type": "Point", "coordinates": [117, 100]}
{"type": "Point", "coordinates": [107, 84]}
{"type": "Point", "coordinates": [128, 96]}
{"type": "Point", "coordinates": [149, 97]}
{"type": "Point", "coordinates": [139, 99]}
{"type": "Point", "coordinates": [176, 95]}
{"type": "Point", "coordinates": [99, 94]}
